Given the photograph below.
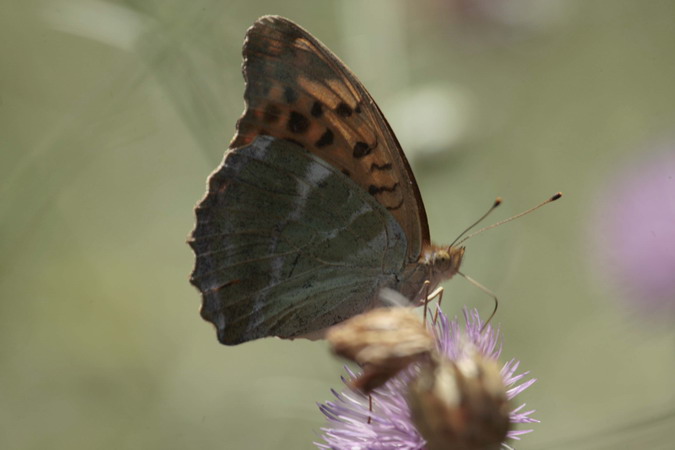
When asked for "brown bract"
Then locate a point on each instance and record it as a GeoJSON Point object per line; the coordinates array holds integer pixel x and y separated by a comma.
{"type": "Point", "coordinates": [460, 405]}
{"type": "Point", "coordinates": [383, 341]}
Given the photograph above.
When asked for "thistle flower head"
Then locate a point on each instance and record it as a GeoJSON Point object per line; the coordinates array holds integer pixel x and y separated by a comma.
{"type": "Point", "coordinates": [384, 419]}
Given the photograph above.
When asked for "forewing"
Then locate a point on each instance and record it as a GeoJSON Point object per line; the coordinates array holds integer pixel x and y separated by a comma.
{"type": "Point", "coordinates": [298, 90]}
{"type": "Point", "coordinates": [287, 245]}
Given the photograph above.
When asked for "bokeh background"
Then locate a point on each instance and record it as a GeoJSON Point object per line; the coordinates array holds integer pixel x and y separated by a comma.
{"type": "Point", "coordinates": [112, 114]}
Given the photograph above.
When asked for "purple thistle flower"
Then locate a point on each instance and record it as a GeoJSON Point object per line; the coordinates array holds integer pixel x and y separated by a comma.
{"type": "Point", "coordinates": [633, 234]}
{"type": "Point", "coordinates": [352, 425]}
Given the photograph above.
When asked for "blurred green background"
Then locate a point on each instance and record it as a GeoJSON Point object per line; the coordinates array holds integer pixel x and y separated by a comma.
{"type": "Point", "coordinates": [114, 113]}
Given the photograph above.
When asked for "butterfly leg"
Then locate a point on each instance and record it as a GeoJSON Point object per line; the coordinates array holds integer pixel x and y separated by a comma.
{"type": "Point", "coordinates": [429, 297]}
{"type": "Point", "coordinates": [438, 293]}
{"type": "Point", "coordinates": [425, 298]}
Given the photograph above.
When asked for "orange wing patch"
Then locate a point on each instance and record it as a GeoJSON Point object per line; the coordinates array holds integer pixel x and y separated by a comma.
{"type": "Point", "coordinates": [299, 91]}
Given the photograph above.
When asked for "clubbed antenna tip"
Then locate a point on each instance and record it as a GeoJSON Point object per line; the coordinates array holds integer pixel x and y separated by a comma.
{"type": "Point", "coordinates": [502, 222]}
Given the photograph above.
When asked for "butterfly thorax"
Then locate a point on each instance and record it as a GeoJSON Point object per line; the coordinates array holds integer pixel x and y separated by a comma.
{"type": "Point", "coordinates": [435, 264]}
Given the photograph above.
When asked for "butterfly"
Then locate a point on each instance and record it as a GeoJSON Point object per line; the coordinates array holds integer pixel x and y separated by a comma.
{"type": "Point", "coordinates": [314, 208]}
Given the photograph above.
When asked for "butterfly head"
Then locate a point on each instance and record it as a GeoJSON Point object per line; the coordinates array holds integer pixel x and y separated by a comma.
{"type": "Point", "coordinates": [443, 262]}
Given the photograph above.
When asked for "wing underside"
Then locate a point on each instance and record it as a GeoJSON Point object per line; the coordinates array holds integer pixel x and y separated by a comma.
{"type": "Point", "coordinates": [286, 244]}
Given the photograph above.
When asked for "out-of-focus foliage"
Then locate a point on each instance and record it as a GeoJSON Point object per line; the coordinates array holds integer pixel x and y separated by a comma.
{"type": "Point", "coordinates": [112, 114]}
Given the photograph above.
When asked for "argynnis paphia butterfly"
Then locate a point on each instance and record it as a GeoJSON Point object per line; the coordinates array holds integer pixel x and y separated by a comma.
{"type": "Point", "coordinates": [314, 208]}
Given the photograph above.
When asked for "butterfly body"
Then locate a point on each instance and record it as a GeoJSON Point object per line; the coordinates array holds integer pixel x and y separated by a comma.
{"type": "Point", "coordinates": [315, 208]}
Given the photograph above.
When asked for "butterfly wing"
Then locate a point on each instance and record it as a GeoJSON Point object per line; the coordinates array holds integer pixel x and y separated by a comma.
{"type": "Point", "coordinates": [287, 245]}
{"type": "Point", "coordinates": [298, 90]}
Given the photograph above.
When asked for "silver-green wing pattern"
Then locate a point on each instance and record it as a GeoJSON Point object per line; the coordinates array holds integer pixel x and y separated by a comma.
{"type": "Point", "coordinates": [287, 245]}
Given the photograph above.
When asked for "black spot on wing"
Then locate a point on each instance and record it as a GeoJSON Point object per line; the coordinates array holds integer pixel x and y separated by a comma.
{"type": "Point", "coordinates": [374, 190]}
{"type": "Point", "coordinates": [317, 109]}
{"type": "Point", "coordinates": [395, 207]}
{"type": "Point", "coordinates": [297, 123]}
{"type": "Point", "coordinates": [361, 149]}
{"type": "Point", "coordinates": [325, 139]}
{"type": "Point", "coordinates": [374, 167]}
{"type": "Point", "coordinates": [343, 110]}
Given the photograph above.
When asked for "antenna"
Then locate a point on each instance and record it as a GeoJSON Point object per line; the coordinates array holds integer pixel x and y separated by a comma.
{"type": "Point", "coordinates": [498, 201]}
{"type": "Point", "coordinates": [502, 222]}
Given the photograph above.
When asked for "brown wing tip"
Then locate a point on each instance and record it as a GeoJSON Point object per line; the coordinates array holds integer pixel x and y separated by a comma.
{"type": "Point", "coordinates": [278, 22]}
{"type": "Point", "coordinates": [270, 18]}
